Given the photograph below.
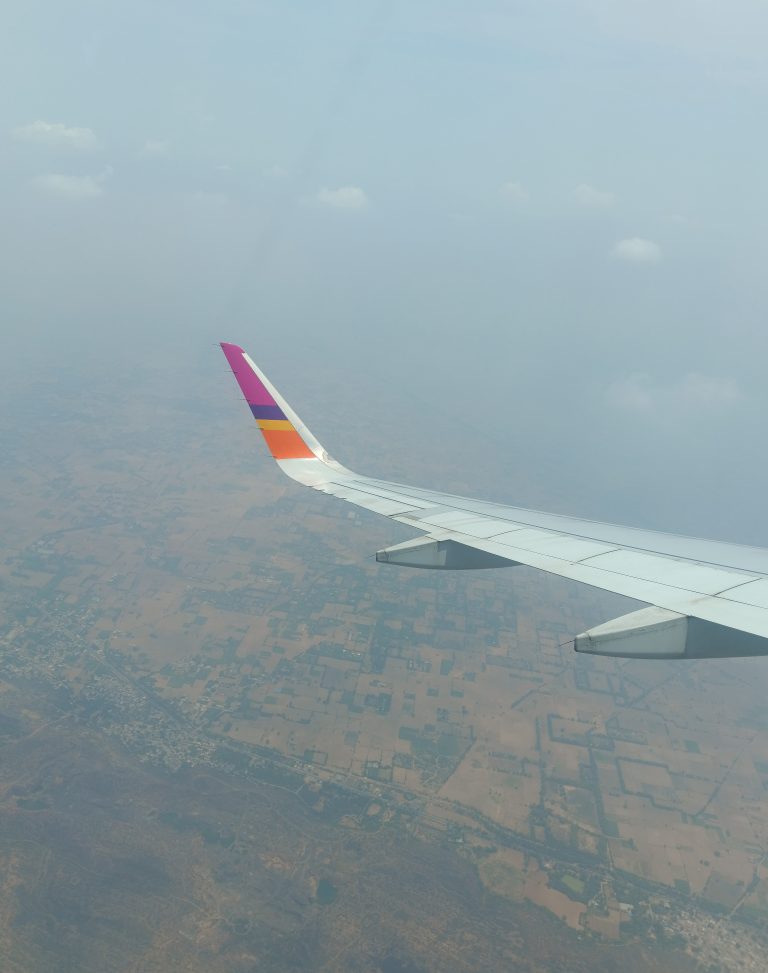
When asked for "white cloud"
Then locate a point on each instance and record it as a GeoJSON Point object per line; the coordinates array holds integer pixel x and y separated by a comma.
{"type": "Point", "coordinates": [637, 250]}
{"type": "Point", "coordinates": [690, 394]}
{"type": "Point", "coordinates": [345, 197]}
{"type": "Point", "coordinates": [513, 192]}
{"type": "Point", "coordinates": [155, 149]}
{"type": "Point", "coordinates": [56, 135]}
{"type": "Point", "coordinates": [71, 187]}
{"type": "Point", "coordinates": [591, 198]}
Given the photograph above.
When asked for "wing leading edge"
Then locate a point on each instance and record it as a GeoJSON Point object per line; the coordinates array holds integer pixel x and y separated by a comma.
{"type": "Point", "coordinates": [708, 599]}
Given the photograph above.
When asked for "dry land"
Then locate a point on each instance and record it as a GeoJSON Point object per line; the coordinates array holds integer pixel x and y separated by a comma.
{"type": "Point", "coordinates": [230, 701]}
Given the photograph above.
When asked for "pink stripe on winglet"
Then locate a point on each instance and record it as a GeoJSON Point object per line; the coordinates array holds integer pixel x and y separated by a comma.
{"type": "Point", "coordinates": [250, 383]}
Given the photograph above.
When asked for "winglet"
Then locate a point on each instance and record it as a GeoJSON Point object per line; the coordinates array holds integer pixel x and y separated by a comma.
{"type": "Point", "coordinates": [285, 434]}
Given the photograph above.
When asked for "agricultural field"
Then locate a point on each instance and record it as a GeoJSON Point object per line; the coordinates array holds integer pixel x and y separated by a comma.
{"type": "Point", "coordinates": [165, 584]}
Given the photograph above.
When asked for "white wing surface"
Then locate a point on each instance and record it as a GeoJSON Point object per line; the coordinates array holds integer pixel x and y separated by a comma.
{"type": "Point", "coordinates": [707, 598]}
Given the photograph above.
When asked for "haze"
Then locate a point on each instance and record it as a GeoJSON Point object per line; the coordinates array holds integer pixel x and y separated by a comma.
{"type": "Point", "coordinates": [541, 225]}
{"type": "Point", "coordinates": [510, 250]}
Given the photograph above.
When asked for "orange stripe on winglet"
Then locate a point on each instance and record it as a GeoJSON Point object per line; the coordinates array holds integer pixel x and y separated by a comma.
{"type": "Point", "coordinates": [286, 444]}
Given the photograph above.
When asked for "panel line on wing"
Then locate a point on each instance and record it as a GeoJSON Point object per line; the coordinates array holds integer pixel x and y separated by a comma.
{"type": "Point", "coordinates": [756, 590]}
{"type": "Point", "coordinates": [542, 541]}
{"type": "Point", "coordinates": [715, 553]}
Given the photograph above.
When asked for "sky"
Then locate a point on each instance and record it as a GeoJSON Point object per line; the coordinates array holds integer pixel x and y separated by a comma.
{"type": "Point", "coordinates": [547, 220]}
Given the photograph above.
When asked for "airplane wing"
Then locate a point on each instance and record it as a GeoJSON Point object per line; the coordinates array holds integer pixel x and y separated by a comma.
{"type": "Point", "coordinates": [707, 598]}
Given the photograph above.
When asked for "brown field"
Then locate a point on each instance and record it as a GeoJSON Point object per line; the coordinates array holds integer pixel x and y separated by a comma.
{"type": "Point", "coordinates": [254, 610]}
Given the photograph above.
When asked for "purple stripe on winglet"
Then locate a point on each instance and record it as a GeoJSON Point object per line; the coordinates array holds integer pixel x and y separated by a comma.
{"type": "Point", "coordinates": [266, 411]}
{"type": "Point", "coordinates": [250, 384]}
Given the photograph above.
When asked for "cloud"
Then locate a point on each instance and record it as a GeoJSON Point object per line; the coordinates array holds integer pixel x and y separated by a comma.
{"type": "Point", "coordinates": [56, 135]}
{"type": "Point", "coordinates": [591, 198]}
{"type": "Point", "coordinates": [155, 149]}
{"type": "Point", "coordinates": [345, 197]}
{"type": "Point", "coordinates": [636, 250]}
{"type": "Point", "coordinates": [690, 394]}
{"type": "Point", "coordinates": [71, 187]}
{"type": "Point", "coordinates": [513, 192]}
